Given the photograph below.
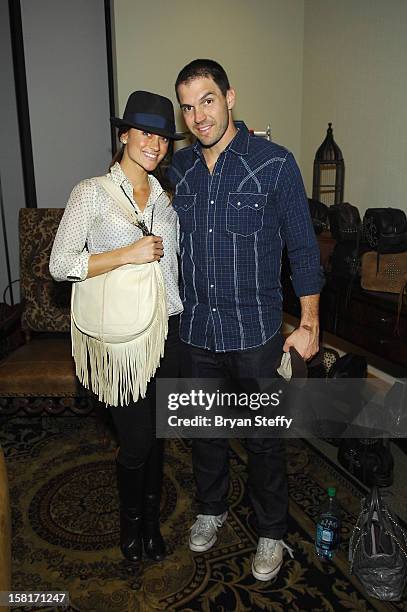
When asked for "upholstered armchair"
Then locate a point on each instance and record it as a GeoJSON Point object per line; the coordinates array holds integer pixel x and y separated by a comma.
{"type": "Point", "coordinates": [39, 377]}
{"type": "Point", "coordinates": [5, 530]}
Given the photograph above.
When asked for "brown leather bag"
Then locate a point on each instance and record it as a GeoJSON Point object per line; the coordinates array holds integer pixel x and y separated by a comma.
{"type": "Point", "coordinates": [384, 272]}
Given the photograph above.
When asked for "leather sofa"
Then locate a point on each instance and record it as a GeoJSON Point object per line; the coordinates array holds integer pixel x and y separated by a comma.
{"type": "Point", "coordinates": [39, 376]}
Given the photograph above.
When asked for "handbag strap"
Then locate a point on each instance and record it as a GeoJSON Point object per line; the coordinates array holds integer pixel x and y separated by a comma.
{"type": "Point", "coordinates": [355, 268]}
{"type": "Point", "coordinates": [403, 291]}
{"type": "Point", "coordinates": [115, 192]}
{"type": "Point", "coordinates": [375, 506]}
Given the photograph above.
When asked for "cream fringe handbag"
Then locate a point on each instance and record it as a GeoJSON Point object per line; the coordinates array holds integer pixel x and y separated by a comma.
{"type": "Point", "coordinates": [119, 323]}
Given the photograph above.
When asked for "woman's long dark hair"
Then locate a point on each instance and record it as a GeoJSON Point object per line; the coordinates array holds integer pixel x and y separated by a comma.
{"type": "Point", "coordinates": [160, 172]}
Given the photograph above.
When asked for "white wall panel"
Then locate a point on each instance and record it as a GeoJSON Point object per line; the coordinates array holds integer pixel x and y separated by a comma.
{"type": "Point", "coordinates": [66, 66]}
{"type": "Point", "coordinates": [10, 154]}
{"type": "Point", "coordinates": [355, 75]}
{"type": "Point", "coordinates": [259, 43]}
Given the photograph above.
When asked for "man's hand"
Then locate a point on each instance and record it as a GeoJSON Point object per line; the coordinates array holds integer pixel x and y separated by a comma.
{"type": "Point", "coordinates": [305, 339]}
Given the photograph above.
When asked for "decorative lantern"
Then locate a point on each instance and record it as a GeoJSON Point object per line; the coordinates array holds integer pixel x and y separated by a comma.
{"type": "Point", "coordinates": [329, 171]}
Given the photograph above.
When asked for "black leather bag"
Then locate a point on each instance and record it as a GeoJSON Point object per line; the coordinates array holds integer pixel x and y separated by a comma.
{"type": "Point", "coordinates": [319, 215]}
{"type": "Point", "coordinates": [320, 368]}
{"type": "Point", "coordinates": [346, 265]}
{"type": "Point", "coordinates": [369, 460]}
{"type": "Point", "coordinates": [344, 222]}
{"type": "Point", "coordinates": [385, 229]}
{"type": "Point", "coordinates": [349, 366]}
{"type": "Point", "coordinates": [338, 405]}
{"type": "Point", "coordinates": [378, 550]}
{"type": "Point", "coordinates": [345, 260]}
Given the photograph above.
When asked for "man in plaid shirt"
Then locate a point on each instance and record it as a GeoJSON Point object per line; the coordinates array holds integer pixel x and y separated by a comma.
{"type": "Point", "coordinates": [240, 199]}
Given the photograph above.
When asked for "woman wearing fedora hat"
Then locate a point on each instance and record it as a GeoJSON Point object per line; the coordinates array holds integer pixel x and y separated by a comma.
{"type": "Point", "coordinates": [95, 237]}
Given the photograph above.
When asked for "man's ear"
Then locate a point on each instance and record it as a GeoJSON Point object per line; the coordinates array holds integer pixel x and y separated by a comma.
{"type": "Point", "coordinates": [230, 98]}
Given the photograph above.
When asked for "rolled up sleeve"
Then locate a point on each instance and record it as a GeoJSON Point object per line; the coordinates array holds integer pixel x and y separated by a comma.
{"type": "Point", "coordinates": [69, 257]}
{"type": "Point", "coordinates": [307, 274]}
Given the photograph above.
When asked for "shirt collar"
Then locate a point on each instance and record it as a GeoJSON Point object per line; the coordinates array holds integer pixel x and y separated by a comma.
{"type": "Point", "coordinates": [155, 188]}
{"type": "Point", "coordinates": [239, 144]}
{"type": "Point", "coordinates": [117, 175]}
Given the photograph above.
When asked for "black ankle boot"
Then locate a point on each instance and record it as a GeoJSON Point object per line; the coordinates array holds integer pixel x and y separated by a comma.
{"type": "Point", "coordinates": [131, 492]}
{"type": "Point", "coordinates": [154, 545]}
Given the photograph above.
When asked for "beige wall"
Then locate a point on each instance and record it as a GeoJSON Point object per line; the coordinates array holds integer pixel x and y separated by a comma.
{"type": "Point", "coordinates": [297, 64]}
{"type": "Point", "coordinates": [355, 75]}
{"type": "Point", "coordinates": [259, 43]}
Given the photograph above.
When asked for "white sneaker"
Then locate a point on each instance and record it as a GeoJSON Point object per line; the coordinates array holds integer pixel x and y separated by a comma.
{"type": "Point", "coordinates": [203, 531]}
{"type": "Point", "coordinates": [269, 558]}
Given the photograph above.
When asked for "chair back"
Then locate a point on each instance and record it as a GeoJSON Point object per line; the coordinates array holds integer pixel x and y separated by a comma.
{"type": "Point", "coordinates": [47, 303]}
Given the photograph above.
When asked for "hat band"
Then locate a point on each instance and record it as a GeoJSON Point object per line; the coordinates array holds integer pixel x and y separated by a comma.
{"type": "Point", "coordinates": [150, 120]}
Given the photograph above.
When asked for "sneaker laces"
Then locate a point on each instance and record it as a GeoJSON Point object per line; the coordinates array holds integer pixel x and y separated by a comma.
{"type": "Point", "coordinates": [205, 524]}
{"type": "Point", "coordinates": [267, 547]}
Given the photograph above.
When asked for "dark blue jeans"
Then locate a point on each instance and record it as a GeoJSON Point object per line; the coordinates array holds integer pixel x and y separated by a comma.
{"type": "Point", "coordinates": [267, 477]}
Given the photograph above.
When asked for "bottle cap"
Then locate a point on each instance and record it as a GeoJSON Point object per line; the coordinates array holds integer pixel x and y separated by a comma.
{"type": "Point", "coordinates": [331, 491]}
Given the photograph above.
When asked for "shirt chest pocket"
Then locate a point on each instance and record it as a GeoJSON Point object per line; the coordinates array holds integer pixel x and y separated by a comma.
{"type": "Point", "coordinates": [185, 207]}
{"type": "Point", "coordinates": [244, 215]}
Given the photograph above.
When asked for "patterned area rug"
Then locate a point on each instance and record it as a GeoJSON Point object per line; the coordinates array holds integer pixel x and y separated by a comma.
{"type": "Point", "coordinates": [65, 530]}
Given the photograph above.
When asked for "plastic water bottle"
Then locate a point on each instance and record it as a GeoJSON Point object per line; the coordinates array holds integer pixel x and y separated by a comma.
{"type": "Point", "coordinates": [328, 528]}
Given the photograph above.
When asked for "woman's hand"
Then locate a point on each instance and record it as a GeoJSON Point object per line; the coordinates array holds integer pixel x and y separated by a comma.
{"type": "Point", "coordinates": [145, 250]}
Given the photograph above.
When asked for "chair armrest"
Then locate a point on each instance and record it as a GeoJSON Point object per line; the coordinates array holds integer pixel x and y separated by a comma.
{"type": "Point", "coordinates": [5, 529]}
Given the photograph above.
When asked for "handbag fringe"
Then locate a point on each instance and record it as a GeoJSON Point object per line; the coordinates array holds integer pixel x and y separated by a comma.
{"type": "Point", "coordinates": [119, 373]}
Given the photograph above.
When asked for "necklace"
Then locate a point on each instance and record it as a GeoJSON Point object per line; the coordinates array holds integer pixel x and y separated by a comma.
{"type": "Point", "coordinates": [140, 223]}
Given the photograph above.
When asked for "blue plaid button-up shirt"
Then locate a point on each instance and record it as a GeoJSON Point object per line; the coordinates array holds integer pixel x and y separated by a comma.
{"type": "Point", "coordinates": [234, 225]}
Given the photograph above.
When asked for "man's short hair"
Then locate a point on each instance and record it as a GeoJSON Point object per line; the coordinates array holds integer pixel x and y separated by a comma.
{"type": "Point", "coordinates": [203, 68]}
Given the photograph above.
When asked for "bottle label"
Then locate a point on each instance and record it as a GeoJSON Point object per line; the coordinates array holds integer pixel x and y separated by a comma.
{"type": "Point", "coordinates": [327, 537]}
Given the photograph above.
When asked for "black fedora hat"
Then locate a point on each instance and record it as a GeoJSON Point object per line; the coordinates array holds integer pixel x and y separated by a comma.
{"type": "Point", "coordinates": [150, 112]}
